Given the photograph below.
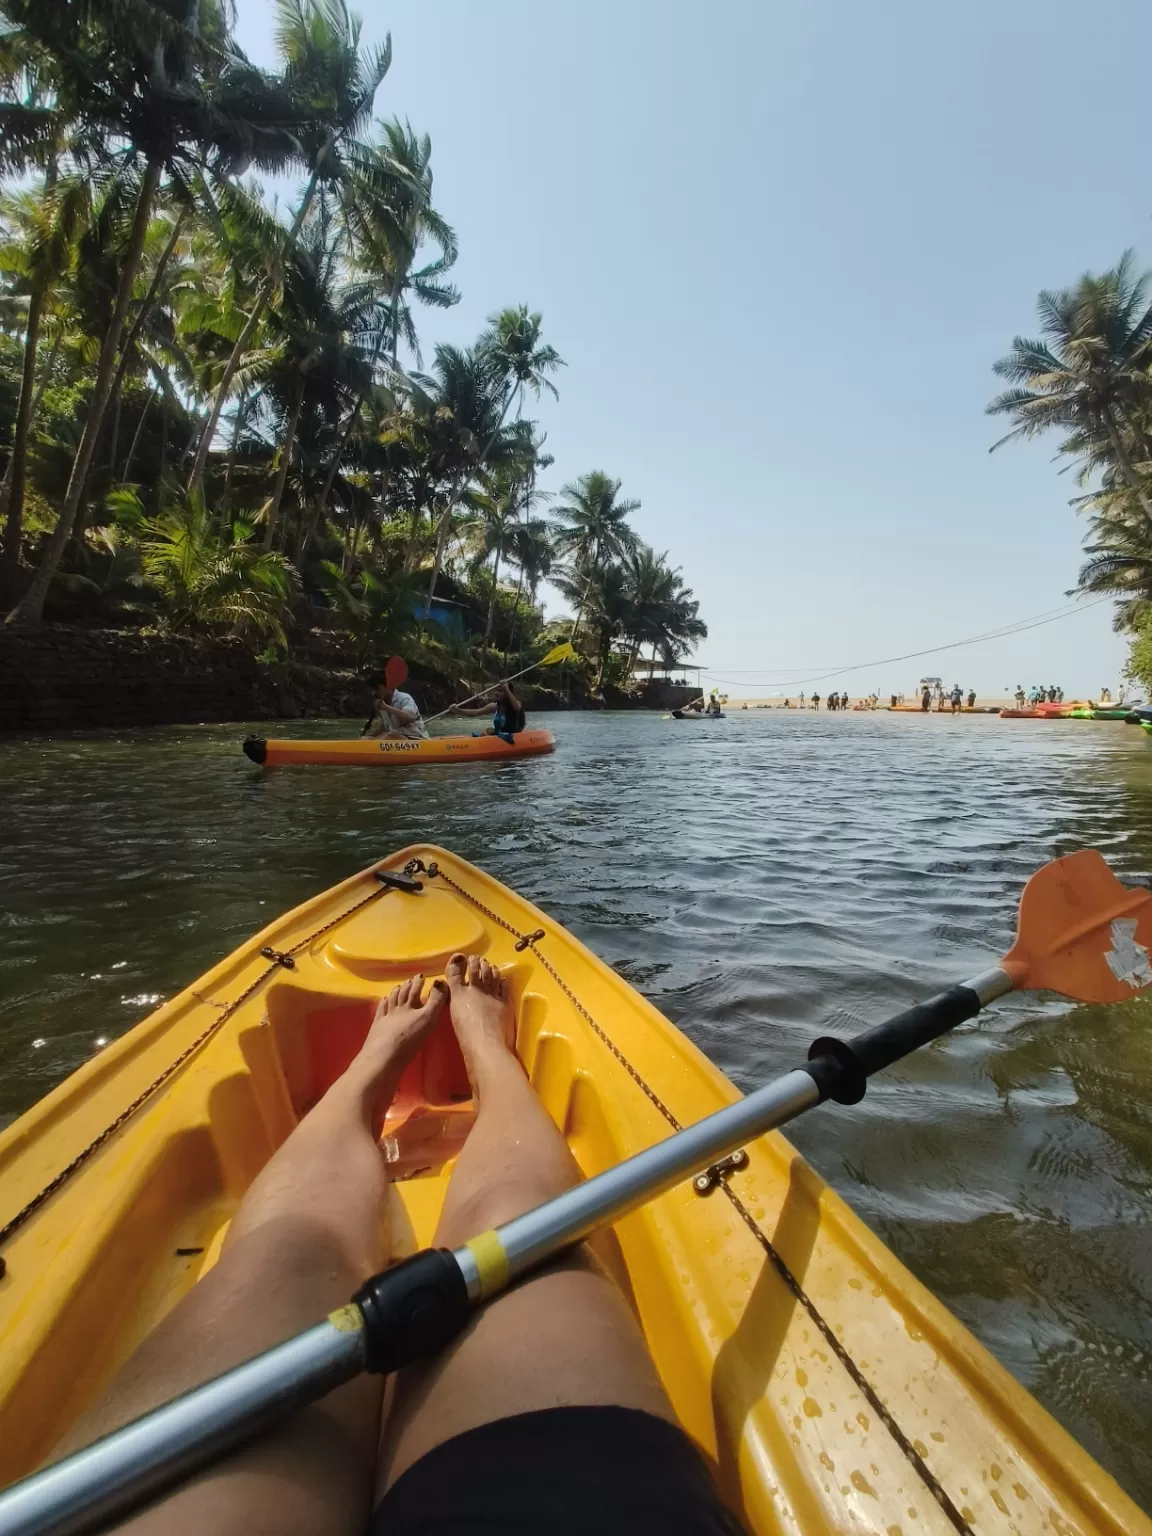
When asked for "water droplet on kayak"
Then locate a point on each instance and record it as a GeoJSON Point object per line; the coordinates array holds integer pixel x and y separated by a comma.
{"type": "Point", "coordinates": [862, 1485]}
{"type": "Point", "coordinates": [812, 1408]}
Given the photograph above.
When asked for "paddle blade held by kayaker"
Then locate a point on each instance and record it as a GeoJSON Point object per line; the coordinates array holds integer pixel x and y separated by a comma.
{"type": "Point", "coordinates": [1082, 932]}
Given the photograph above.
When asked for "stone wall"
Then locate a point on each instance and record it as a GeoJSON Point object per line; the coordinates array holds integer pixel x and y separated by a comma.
{"type": "Point", "coordinates": [63, 678]}
{"type": "Point", "coordinates": [57, 677]}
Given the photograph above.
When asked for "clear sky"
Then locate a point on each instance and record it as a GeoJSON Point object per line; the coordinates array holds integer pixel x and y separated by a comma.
{"type": "Point", "coordinates": [779, 247]}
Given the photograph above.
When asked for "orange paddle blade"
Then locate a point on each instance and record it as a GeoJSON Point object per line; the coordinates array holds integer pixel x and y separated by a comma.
{"type": "Point", "coordinates": [396, 671]}
{"type": "Point", "coordinates": [1082, 932]}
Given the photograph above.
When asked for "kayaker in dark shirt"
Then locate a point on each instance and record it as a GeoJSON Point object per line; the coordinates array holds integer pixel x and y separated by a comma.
{"type": "Point", "coordinates": [507, 713]}
{"type": "Point", "coordinates": [547, 1413]}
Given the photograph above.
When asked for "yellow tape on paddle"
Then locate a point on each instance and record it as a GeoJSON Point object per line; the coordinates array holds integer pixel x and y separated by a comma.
{"type": "Point", "coordinates": [491, 1263]}
{"type": "Point", "coordinates": [347, 1319]}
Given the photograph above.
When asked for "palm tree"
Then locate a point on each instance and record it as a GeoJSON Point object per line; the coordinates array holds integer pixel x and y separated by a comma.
{"type": "Point", "coordinates": [44, 226]}
{"type": "Point", "coordinates": [508, 359]}
{"type": "Point", "coordinates": [320, 328]}
{"type": "Point", "coordinates": [319, 46]}
{"type": "Point", "coordinates": [1089, 374]}
{"type": "Point", "coordinates": [456, 420]}
{"type": "Point", "coordinates": [175, 93]}
{"type": "Point", "coordinates": [498, 508]}
{"type": "Point", "coordinates": [594, 529]}
{"type": "Point", "coordinates": [386, 203]}
{"type": "Point", "coordinates": [1119, 552]}
{"type": "Point", "coordinates": [387, 208]}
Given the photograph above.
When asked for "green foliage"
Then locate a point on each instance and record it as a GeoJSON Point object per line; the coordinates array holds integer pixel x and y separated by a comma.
{"type": "Point", "coordinates": [218, 412]}
{"type": "Point", "coordinates": [1139, 664]}
{"type": "Point", "coordinates": [377, 608]}
{"type": "Point", "coordinates": [1089, 378]}
{"type": "Point", "coordinates": [212, 579]}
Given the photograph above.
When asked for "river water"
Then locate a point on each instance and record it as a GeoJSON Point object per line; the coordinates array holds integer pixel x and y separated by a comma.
{"type": "Point", "coordinates": [763, 879]}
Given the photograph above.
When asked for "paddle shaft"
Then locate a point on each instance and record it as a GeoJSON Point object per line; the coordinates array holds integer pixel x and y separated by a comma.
{"type": "Point", "coordinates": [484, 691]}
{"type": "Point", "coordinates": [417, 1307]}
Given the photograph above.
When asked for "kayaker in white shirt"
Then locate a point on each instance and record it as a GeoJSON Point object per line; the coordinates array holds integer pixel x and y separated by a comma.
{"type": "Point", "coordinates": [397, 715]}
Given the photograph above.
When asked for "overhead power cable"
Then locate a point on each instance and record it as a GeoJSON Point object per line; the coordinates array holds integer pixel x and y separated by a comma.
{"type": "Point", "coordinates": [1018, 627]}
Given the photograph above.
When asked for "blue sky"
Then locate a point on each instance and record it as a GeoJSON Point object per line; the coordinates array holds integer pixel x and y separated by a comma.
{"type": "Point", "coordinates": [779, 248]}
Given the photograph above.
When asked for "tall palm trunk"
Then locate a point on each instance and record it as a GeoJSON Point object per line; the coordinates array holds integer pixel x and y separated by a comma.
{"type": "Point", "coordinates": [285, 459]}
{"type": "Point", "coordinates": [234, 449]}
{"type": "Point", "coordinates": [516, 619]}
{"type": "Point", "coordinates": [16, 476]}
{"type": "Point", "coordinates": [30, 608]}
{"type": "Point", "coordinates": [244, 340]}
{"type": "Point", "coordinates": [491, 606]}
{"type": "Point", "coordinates": [415, 524]}
{"type": "Point", "coordinates": [148, 301]}
{"type": "Point", "coordinates": [443, 531]}
{"type": "Point", "coordinates": [349, 427]}
{"type": "Point", "coordinates": [580, 610]}
{"type": "Point", "coordinates": [136, 435]}
{"type": "Point", "coordinates": [14, 524]}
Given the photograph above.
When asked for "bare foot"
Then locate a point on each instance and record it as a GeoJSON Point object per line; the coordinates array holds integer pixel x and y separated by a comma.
{"type": "Point", "coordinates": [481, 1010]}
{"type": "Point", "coordinates": [401, 1024]}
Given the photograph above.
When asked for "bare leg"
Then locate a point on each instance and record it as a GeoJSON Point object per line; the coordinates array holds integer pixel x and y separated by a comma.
{"type": "Point", "coordinates": [308, 1232]}
{"type": "Point", "coordinates": [564, 1338]}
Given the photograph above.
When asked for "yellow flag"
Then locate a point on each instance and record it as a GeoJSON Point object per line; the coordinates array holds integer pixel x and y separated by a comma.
{"type": "Point", "coordinates": [562, 652]}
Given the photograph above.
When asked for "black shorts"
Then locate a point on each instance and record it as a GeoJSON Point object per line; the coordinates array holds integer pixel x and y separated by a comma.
{"type": "Point", "coordinates": [561, 1471]}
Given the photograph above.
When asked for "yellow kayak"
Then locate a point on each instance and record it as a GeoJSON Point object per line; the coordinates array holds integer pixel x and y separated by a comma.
{"type": "Point", "coordinates": [373, 752]}
{"type": "Point", "coordinates": [829, 1390]}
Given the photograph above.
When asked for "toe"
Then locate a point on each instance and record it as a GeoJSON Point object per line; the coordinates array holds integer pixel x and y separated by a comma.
{"type": "Point", "coordinates": [474, 964]}
{"type": "Point", "coordinates": [416, 990]}
{"type": "Point", "coordinates": [455, 970]}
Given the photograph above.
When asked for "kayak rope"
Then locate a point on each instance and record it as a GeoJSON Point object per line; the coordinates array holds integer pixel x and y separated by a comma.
{"type": "Point", "coordinates": [528, 941]}
{"type": "Point", "coordinates": [278, 960]}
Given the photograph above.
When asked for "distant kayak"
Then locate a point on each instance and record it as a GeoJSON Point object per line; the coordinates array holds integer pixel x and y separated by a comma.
{"type": "Point", "coordinates": [383, 752]}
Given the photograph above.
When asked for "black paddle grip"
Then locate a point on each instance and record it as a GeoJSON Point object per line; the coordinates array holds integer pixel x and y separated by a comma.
{"type": "Point", "coordinates": [841, 1068]}
{"type": "Point", "coordinates": [413, 1309]}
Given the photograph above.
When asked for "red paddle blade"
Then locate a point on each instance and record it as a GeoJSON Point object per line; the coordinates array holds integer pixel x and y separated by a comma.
{"type": "Point", "coordinates": [1082, 932]}
{"type": "Point", "coordinates": [396, 671]}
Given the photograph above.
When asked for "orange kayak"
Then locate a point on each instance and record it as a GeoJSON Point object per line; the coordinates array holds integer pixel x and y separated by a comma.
{"type": "Point", "coordinates": [373, 752]}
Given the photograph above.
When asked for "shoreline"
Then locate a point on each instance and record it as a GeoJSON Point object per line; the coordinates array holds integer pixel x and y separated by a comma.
{"type": "Point", "coordinates": [62, 677]}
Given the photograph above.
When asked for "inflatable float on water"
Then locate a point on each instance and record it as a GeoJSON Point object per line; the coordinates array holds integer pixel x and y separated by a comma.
{"type": "Point", "coordinates": [829, 1390]}
{"type": "Point", "coordinates": [389, 752]}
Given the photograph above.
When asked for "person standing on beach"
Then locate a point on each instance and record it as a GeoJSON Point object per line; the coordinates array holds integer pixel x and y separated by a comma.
{"type": "Point", "coordinates": [926, 699]}
{"type": "Point", "coordinates": [956, 698]}
{"type": "Point", "coordinates": [971, 698]}
{"type": "Point", "coordinates": [815, 701]}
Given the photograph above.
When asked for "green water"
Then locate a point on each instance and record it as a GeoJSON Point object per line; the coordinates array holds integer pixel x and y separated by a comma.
{"type": "Point", "coordinates": [763, 878]}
